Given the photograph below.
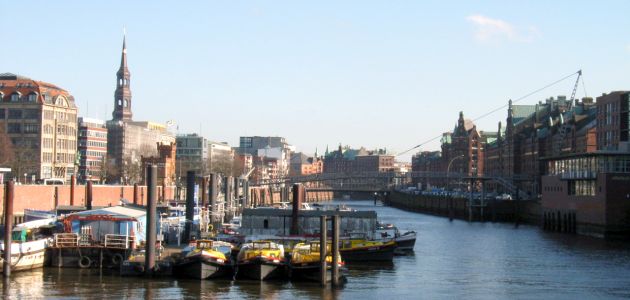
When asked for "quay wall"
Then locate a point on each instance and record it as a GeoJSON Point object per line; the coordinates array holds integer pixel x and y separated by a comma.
{"type": "Point", "coordinates": [494, 210]}
{"type": "Point", "coordinates": [44, 197]}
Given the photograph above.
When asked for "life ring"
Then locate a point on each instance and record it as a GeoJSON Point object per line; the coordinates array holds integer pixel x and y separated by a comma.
{"type": "Point", "coordinates": [210, 227]}
{"type": "Point", "coordinates": [117, 259]}
{"type": "Point", "coordinates": [85, 262]}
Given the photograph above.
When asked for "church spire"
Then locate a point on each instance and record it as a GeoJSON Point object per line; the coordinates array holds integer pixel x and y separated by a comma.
{"type": "Point", "coordinates": [122, 95]}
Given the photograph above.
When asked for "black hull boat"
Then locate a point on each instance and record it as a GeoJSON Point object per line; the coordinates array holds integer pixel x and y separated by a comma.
{"type": "Point", "coordinates": [405, 242]}
{"type": "Point", "coordinates": [202, 268]}
{"type": "Point", "coordinates": [260, 269]}
{"type": "Point", "coordinates": [384, 252]}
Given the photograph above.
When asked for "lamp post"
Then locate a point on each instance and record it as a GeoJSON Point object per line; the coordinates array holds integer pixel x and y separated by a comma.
{"type": "Point", "coordinates": [450, 197]}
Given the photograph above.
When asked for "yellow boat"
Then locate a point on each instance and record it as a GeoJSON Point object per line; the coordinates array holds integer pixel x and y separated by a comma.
{"type": "Point", "coordinates": [205, 259]}
{"type": "Point", "coordinates": [361, 249]}
{"type": "Point", "coordinates": [261, 260]}
{"type": "Point", "coordinates": [305, 261]}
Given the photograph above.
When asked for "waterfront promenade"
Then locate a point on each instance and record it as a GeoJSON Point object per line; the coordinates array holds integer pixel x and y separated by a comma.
{"type": "Point", "coordinates": [453, 260]}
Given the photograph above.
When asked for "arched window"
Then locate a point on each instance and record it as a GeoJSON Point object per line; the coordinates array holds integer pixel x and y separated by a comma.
{"type": "Point", "coordinates": [126, 103]}
{"type": "Point", "coordinates": [119, 102]}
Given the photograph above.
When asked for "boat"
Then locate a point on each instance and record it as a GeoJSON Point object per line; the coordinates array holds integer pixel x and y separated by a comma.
{"type": "Point", "coordinates": [30, 240]}
{"type": "Point", "coordinates": [261, 260]}
{"type": "Point", "coordinates": [205, 259]}
{"type": "Point", "coordinates": [305, 261]}
{"type": "Point", "coordinates": [359, 248]}
{"type": "Point", "coordinates": [404, 241]}
{"type": "Point", "coordinates": [134, 265]}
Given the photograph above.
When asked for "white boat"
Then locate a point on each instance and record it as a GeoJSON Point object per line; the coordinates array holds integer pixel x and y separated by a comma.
{"type": "Point", "coordinates": [404, 241]}
{"type": "Point", "coordinates": [29, 244]}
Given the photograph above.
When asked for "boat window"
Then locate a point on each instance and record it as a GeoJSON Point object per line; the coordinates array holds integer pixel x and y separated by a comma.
{"type": "Point", "coordinates": [266, 224]}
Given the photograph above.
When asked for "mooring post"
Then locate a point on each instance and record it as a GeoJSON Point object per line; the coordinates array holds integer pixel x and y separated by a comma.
{"type": "Point", "coordinates": [56, 197]}
{"type": "Point", "coordinates": [149, 259]}
{"type": "Point", "coordinates": [322, 250]}
{"type": "Point", "coordinates": [9, 190]}
{"type": "Point", "coordinates": [73, 182]}
{"type": "Point", "coordinates": [517, 214]}
{"type": "Point", "coordinates": [295, 210]}
{"type": "Point", "coordinates": [190, 205]}
{"type": "Point", "coordinates": [135, 194]}
{"type": "Point", "coordinates": [335, 250]}
{"type": "Point", "coordinates": [88, 198]}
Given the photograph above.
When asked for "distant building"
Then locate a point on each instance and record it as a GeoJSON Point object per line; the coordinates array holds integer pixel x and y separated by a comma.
{"type": "Point", "coordinates": [41, 120]}
{"type": "Point", "coordinates": [348, 160]}
{"type": "Point", "coordinates": [192, 155]}
{"type": "Point", "coordinates": [92, 149]}
{"type": "Point", "coordinates": [613, 121]}
{"type": "Point", "coordinates": [302, 164]}
{"type": "Point", "coordinates": [128, 140]}
{"type": "Point", "coordinates": [588, 193]}
{"type": "Point", "coordinates": [166, 164]}
{"type": "Point", "coordinates": [221, 158]}
{"type": "Point", "coordinates": [268, 149]}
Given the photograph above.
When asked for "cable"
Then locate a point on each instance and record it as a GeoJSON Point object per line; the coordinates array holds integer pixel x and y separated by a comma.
{"type": "Point", "coordinates": [502, 107]}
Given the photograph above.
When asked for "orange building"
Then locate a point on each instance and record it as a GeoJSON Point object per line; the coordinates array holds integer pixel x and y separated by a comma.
{"type": "Point", "coordinates": [166, 163]}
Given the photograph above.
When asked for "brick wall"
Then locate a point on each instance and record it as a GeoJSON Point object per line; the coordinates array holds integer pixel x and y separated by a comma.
{"type": "Point", "coordinates": [42, 197]}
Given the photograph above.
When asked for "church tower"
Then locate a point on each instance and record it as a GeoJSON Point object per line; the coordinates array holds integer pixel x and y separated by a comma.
{"type": "Point", "coordinates": [122, 95]}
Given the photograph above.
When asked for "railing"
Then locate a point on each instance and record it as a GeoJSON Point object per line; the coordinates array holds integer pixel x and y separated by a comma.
{"type": "Point", "coordinates": [66, 240]}
{"type": "Point", "coordinates": [117, 241]}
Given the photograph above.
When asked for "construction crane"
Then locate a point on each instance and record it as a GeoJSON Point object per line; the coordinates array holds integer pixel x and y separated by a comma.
{"type": "Point", "coordinates": [575, 87]}
{"type": "Point", "coordinates": [564, 122]}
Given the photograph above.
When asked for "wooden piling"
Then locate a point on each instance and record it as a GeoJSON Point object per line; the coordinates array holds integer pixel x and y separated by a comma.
{"type": "Point", "coordinates": [190, 205]}
{"type": "Point", "coordinates": [335, 251]}
{"type": "Point", "coordinates": [322, 250]}
{"type": "Point", "coordinates": [135, 194]}
{"type": "Point", "coordinates": [149, 259]}
{"type": "Point", "coordinates": [89, 195]}
{"type": "Point", "coordinates": [9, 191]}
{"type": "Point", "coordinates": [73, 182]}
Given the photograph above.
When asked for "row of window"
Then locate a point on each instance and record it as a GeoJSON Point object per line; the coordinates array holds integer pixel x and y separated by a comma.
{"type": "Point", "coordinates": [47, 157]}
{"type": "Point", "coordinates": [84, 143]}
{"type": "Point", "coordinates": [17, 97]}
{"type": "Point", "coordinates": [92, 133]}
{"type": "Point", "coordinates": [100, 154]}
{"type": "Point", "coordinates": [582, 187]}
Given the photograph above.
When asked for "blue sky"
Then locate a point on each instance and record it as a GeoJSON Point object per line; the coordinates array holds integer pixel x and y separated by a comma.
{"type": "Point", "coordinates": [364, 73]}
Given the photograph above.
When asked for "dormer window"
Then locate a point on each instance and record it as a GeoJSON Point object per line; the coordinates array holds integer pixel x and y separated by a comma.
{"type": "Point", "coordinates": [32, 97]}
{"type": "Point", "coordinates": [15, 97]}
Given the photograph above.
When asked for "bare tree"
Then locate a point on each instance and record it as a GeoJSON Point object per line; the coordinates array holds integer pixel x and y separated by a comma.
{"type": "Point", "coordinates": [7, 153]}
{"type": "Point", "coordinates": [222, 164]}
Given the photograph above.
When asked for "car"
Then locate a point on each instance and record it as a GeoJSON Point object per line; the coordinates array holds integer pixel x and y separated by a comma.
{"type": "Point", "coordinates": [504, 197]}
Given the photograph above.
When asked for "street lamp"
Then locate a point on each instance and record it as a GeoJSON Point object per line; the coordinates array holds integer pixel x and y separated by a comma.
{"type": "Point", "coordinates": [450, 197]}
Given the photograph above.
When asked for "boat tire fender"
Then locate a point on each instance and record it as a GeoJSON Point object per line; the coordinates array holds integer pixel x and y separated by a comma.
{"type": "Point", "coordinates": [85, 262]}
{"type": "Point", "coordinates": [117, 259]}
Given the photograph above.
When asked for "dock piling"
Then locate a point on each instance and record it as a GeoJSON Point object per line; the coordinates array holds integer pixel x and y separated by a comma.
{"type": "Point", "coordinates": [9, 191]}
{"type": "Point", "coordinates": [322, 250]}
{"type": "Point", "coordinates": [335, 250]}
{"type": "Point", "coordinates": [89, 195]}
{"type": "Point", "coordinates": [149, 259]}
{"type": "Point", "coordinates": [190, 205]}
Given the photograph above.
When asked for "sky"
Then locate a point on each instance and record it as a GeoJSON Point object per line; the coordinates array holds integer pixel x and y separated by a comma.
{"type": "Point", "coordinates": [378, 74]}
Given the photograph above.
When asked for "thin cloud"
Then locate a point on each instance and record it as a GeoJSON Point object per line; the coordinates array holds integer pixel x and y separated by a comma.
{"type": "Point", "coordinates": [488, 29]}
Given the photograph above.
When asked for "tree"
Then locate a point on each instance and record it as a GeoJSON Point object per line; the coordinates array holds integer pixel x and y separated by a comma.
{"type": "Point", "coordinates": [7, 153]}
{"type": "Point", "coordinates": [221, 163]}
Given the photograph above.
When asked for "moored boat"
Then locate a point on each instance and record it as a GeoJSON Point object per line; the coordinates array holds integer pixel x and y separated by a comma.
{"type": "Point", "coordinates": [30, 241]}
{"type": "Point", "coordinates": [305, 261]}
{"type": "Point", "coordinates": [362, 249]}
{"type": "Point", "coordinates": [204, 260]}
{"type": "Point", "coordinates": [261, 260]}
{"type": "Point", "coordinates": [404, 241]}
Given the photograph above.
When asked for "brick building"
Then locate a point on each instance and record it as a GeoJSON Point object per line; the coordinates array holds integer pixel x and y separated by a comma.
{"type": "Point", "coordinates": [612, 121]}
{"type": "Point", "coordinates": [302, 164]}
{"type": "Point", "coordinates": [166, 163]}
{"type": "Point", "coordinates": [40, 118]}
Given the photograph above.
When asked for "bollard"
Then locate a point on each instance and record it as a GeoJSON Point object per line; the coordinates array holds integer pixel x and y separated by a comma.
{"type": "Point", "coordinates": [335, 251]}
{"type": "Point", "coordinates": [190, 205]}
{"type": "Point", "coordinates": [88, 198]}
{"type": "Point", "coordinates": [9, 191]}
{"type": "Point", "coordinates": [149, 259]}
{"type": "Point", "coordinates": [322, 250]}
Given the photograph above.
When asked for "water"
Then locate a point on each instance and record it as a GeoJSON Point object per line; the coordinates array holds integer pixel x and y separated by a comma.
{"type": "Point", "coordinates": [452, 260]}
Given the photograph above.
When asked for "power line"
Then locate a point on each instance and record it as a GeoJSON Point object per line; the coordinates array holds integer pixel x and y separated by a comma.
{"type": "Point", "coordinates": [503, 106]}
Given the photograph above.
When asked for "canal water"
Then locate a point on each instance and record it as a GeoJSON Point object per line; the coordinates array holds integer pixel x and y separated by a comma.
{"type": "Point", "coordinates": [452, 260]}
